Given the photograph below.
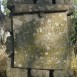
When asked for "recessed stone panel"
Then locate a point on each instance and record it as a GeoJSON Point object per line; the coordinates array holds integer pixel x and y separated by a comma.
{"type": "Point", "coordinates": [41, 42]}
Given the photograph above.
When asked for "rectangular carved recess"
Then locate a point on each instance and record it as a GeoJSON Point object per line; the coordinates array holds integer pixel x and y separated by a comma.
{"type": "Point", "coordinates": [28, 1]}
{"type": "Point", "coordinates": [33, 1]}
{"type": "Point", "coordinates": [53, 1]}
{"type": "Point", "coordinates": [37, 41]}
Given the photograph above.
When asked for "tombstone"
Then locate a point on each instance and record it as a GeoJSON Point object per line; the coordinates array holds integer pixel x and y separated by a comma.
{"type": "Point", "coordinates": [40, 39]}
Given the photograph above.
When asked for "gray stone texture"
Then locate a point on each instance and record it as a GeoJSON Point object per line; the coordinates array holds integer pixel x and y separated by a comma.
{"type": "Point", "coordinates": [41, 42]}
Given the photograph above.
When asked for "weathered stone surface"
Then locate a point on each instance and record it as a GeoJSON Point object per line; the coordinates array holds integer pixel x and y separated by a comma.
{"type": "Point", "coordinates": [59, 1]}
{"type": "Point", "coordinates": [65, 2]}
{"type": "Point", "coordinates": [40, 1]}
{"type": "Point", "coordinates": [40, 73]}
{"type": "Point", "coordinates": [11, 2]}
{"type": "Point", "coordinates": [63, 73]}
{"type": "Point", "coordinates": [69, 2]}
{"type": "Point", "coordinates": [31, 8]}
{"type": "Point", "coordinates": [41, 42]}
{"type": "Point", "coordinates": [15, 72]}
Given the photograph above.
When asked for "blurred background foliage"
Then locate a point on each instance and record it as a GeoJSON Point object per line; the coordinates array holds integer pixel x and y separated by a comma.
{"type": "Point", "coordinates": [6, 10]}
{"type": "Point", "coordinates": [74, 19]}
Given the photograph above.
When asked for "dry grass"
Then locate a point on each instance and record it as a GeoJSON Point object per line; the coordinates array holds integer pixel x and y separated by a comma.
{"type": "Point", "coordinates": [74, 64]}
{"type": "Point", "coordinates": [3, 57]}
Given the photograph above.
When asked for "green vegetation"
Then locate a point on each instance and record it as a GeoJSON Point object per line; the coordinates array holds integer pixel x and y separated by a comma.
{"type": "Point", "coordinates": [74, 20]}
{"type": "Point", "coordinates": [6, 10]}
